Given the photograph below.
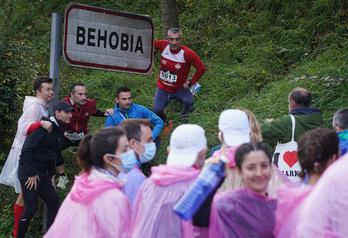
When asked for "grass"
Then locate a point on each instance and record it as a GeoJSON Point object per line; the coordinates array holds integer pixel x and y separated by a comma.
{"type": "Point", "coordinates": [255, 53]}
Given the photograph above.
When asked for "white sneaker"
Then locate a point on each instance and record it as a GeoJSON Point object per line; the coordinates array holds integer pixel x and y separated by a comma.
{"type": "Point", "coordinates": [62, 181]}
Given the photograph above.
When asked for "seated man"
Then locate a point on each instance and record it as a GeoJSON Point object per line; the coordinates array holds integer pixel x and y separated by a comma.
{"type": "Point", "coordinates": [340, 123]}
{"type": "Point", "coordinates": [140, 138]}
{"type": "Point", "coordinates": [125, 109]}
{"type": "Point", "coordinates": [153, 214]}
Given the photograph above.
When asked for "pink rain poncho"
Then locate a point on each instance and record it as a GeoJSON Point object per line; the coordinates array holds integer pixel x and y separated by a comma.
{"type": "Point", "coordinates": [153, 214]}
{"type": "Point", "coordinates": [290, 197]}
{"type": "Point", "coordinates": [324, 213]}
{"type": "Point", "coordinates": [134, 180]}
{"type": "Point", "coordinates": [234, 181]}
{"type": "Point", "coordinates": [33, 110]}
{"type": "Point", "coordinates": [242, 213]}
{"type": "Point", "coordinates": [95, 207]}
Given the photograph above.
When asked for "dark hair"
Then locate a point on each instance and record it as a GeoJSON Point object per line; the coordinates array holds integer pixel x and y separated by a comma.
{"type": "Point", "coordinates": [72, 87]}
{"type": "Point", "coordinates": [174, 31]}
{"type": "Point", "coordinates": [122, 90]}
{"type": "Point", "coordinates": [316, 146]}
{"type": "Point", "coordinates": [341, 118]}
{"type": "Point", "coordinates": [302, 97]}
{"type": "Point", "coordinates": [246, 148]}
{"type": "Point", "coordinates": [39, 81]}
{"type": "Point", "coordinates": [132, 127]}
{"type": "Point", "coordinates": [92, 148]}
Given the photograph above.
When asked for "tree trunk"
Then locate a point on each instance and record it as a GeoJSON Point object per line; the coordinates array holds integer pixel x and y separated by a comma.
{"type": "Point", "coordinates": [169, 16]}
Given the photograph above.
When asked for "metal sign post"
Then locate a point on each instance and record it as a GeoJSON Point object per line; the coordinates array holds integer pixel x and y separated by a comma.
{"type": "Point", "coordinates": [56, 49]}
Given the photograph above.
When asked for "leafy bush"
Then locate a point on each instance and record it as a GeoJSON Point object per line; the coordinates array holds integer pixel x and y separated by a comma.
{"type": "Point", "coordinates": [255, 53]}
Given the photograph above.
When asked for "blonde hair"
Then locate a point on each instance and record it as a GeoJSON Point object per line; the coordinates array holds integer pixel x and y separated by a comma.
{"type": "Point", "coordinates": [255, 129]}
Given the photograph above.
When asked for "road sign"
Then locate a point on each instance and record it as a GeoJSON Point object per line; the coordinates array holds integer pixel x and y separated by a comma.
{"type": "Point", "coordinates": [105, 39]}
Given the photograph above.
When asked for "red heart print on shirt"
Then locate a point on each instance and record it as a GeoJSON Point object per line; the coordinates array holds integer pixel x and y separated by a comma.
{"type": "Point", "coordinates": [290, 158]}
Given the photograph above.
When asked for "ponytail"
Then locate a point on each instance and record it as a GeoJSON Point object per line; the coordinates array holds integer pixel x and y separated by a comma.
{"type": "Point", "coordinates": [92, 148]}
{"type": "Point", "coordinates": [316, 148]}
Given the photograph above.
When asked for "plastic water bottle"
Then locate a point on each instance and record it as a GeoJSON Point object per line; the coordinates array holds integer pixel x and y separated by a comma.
{"type": "Point", "coordinates": [194, 88]}
{"type": "Point", "coordinates": [205, 183]}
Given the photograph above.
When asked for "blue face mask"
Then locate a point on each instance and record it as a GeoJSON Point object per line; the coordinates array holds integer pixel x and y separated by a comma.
{"type": "Point", "coordinates": [149, 153]}
{"type": "Point", "coordinates": [128, 160]}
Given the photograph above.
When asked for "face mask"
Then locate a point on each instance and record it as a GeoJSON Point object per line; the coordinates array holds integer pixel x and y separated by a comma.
{"type": "Point", "coordinates": [149, 153]}
{"type": "Point", "coordinates": [128, 160]}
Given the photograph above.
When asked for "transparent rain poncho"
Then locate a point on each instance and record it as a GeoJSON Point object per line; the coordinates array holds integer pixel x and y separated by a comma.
{"type": "Point", "coordinates": [95, 207]}
{"type": "Point", "coordinates": [324, 212]}
{"type": "Point", "coordinates": [134, 180]}
{"type": "Point", "coordinates": [33, 110]}
{"type": "Point", "coordinates": [289, 200]}
{"type": "Point", "coordinates": [153, 214]}
{"type": "Point", "coordinates": [242, 213]}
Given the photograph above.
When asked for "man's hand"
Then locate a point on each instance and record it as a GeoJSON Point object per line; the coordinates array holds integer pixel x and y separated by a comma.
{"type": "Point", "coordinates": [269, 119]}
{"type": "Point", "coordinates": [185, 85]}
{"type": "Point", "coordinates": [32, 182]}
{"type": "Point", "coordinates": [53, 182]}
{"type": "Point", "coordinates": [211, 160]}
{"type": "Point", "coordinates": [46, 125]}
{"type": "Point", "coordinates": [109, 112]}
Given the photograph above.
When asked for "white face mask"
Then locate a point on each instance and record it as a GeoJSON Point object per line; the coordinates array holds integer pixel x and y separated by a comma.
{"type": "Point", "coordinates": [128, 160]}
{"type": "Point", "coordinates": [149, 153]}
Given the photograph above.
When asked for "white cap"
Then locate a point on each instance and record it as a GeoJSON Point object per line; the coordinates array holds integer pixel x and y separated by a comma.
{"type": "Point", "coordinates": [234, 125]}
{"type": "Point", "coordinates": [186, 142]}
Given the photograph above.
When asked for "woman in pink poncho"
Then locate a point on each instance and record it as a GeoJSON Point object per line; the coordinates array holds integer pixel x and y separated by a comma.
{"type": "Point", "coordinates": [248, 211]}
{"type": "Point", "coordinates": [317, 149]}
{"type": "Point", "coordinates": [96, 206]}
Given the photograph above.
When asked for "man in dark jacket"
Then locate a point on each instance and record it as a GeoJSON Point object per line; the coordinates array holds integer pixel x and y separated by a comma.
{"type": "Point", "coordinates": [36, 171]}
{"type": "Point", "coordinates": [281, 130]}
{"type": "Point", "coordinates": [306, 119]}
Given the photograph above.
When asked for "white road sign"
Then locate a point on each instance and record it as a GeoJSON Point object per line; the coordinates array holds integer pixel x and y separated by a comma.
{"type": "Point", "coordinates": [106, 39]}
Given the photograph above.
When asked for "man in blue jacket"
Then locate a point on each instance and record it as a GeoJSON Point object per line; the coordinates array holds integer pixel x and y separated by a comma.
{"type": "Point", "coordinates": [125, 109]}
{"type": "Point", "coordinates": [340, 124]}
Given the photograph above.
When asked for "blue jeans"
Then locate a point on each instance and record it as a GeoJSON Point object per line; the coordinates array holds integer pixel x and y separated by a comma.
{"type": "Point", "coordinates": [162, 98]}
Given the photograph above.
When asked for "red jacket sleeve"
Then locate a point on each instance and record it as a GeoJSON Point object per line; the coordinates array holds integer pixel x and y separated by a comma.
{"type": "Point", "coordinates": [193, 59]}
{"type": "Point", "coordinates": [160, 44]}
{"type": "Point", "coordinates": [33, 127]}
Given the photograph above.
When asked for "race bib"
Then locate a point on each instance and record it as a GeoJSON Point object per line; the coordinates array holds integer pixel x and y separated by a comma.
{"type": "Point", "coordinates": [74, 136]}
{"type": "Point", "coordinates": [168, 76]}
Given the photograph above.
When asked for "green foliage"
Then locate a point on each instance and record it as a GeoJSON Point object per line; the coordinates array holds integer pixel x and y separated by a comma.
{"type": "Point", "coordinates": [255, 53]}
{"type": "Point", "coordinates": [15, 71]}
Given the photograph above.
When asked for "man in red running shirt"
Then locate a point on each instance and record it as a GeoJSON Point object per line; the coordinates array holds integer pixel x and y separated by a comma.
{"type": "Point", "coordinates": [84, 108]}
{"type": "Point", "coordinates": [176, 61]}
